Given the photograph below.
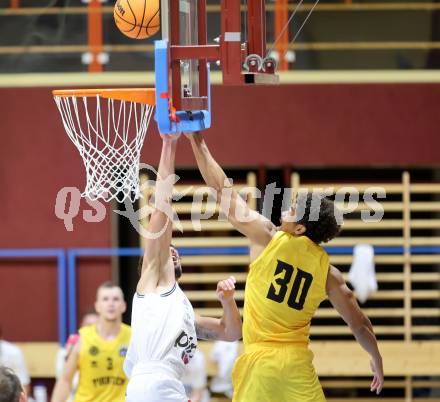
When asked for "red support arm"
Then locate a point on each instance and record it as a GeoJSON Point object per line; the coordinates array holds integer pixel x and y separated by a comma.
{"type": "Point", "coordinates": [281, 18]}
{"type": "Point", "coordinates": [257, 27]}
{"type": "Point", "coordinates": [175, 64]}
{"type": "Point", "coordinates": [202, 38]}
{"type": "Point", "coordinates": [94, 19]}
{"type": "Point", "coordinates": [230, 42]}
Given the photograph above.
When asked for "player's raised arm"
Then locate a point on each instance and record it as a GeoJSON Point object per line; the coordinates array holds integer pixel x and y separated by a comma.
{"type": "Point", "coordinates": [157, 243]}
{"type": "Point", "coordinates": [344, 301]}
{"type": "Point", "coordinates": [227, 328]}
{"type": "Point", "coordinates": [63, 385]}
{"type": "Point", "coordinates": [253, 225]}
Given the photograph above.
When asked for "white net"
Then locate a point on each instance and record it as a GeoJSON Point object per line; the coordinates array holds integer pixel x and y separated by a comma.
{"type": "Point", "coordinates": [109, 135]}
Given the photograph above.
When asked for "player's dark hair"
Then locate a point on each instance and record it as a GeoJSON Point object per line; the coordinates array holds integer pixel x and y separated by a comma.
{"type": "Point", "coordinates": [10, 386]}
{"type": "Point", "coordinates": [318, 217]}
{"type": "Point", "coordinates": [139, 267]}
{"type": "Point", "coordinates": [178, 269]}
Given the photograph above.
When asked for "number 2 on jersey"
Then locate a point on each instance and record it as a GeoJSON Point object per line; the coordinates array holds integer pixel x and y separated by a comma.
{"type": "Point", "coordinates": [296, 298]}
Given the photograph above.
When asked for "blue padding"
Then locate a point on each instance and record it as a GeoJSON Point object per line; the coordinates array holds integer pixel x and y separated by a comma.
{"type": "Point", "coordinates": [161, 68]}
{"type": "Point", "coordinates": [30, 252]}
{"type": "Point", "coordinates": [71, 290]}
{"type": "Point", "coordinates": [62, 298]}
{"type": "Point", "coordinates": [425, 250]}
{"type": "Point", "coordinates": [197, 120]}
{"type": "Point", "coordinates": [380, 250]}
{"type": "Point", "coordinates": [107, 252]}
{"type": "Point", "coordinates": [377, 250]}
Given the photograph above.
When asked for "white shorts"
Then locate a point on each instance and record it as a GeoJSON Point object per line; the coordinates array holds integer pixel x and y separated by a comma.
{"type": "Point", "coordinates": [155, 387]}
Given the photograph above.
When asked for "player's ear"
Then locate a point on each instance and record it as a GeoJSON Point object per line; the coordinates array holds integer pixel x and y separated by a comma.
{"type": "Point", "coordinates": [22, 397]}
{"type": "Point", "coordinates": [124, 307]}
{"type": "Point", "coordinates": [299, 229]}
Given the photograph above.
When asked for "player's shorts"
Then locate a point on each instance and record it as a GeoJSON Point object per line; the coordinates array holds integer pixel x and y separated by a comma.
{"type": "Point", "coordinates": [274, 373]}
{"type": "Point", "coordinates": [157, 383]}
{"type": "Point", "coordinates": [155, 388]}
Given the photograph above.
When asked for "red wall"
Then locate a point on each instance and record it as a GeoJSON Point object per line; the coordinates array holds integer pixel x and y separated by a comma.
{"type": "Point", "coordinates": [36, 160]}
{"type": "Point", "coordinates": [292, 124]}
{"type": "Point", "coordinates": [323, 125]}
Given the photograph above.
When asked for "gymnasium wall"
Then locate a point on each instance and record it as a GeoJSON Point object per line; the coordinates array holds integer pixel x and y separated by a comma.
{"type": "Point", "coordinates": [307, 125]}
{"type": "Point", "coordinates": [36, 161]}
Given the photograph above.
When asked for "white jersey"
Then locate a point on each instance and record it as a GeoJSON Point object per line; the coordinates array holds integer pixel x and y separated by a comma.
{"type": "Point", "coordinates": [12, 357]}
{"type": "Point", "coordinates": [163, 338]}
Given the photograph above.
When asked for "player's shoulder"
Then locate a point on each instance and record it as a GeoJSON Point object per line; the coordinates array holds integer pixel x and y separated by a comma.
{"type": "Point", "coordinates": [334, 279]}
{"type": "Point", "coordinates": [87, 331]}
{"type": "Point", "coordinates": [335, 274]}
{"type": "Point", "coordinates": [10, 349]}
{"type": "Point", "coordinates": [125, 328]}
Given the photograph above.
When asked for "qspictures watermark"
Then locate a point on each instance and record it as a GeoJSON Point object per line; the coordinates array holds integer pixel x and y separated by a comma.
{"type": "Point", "coordinates": [205, 201]}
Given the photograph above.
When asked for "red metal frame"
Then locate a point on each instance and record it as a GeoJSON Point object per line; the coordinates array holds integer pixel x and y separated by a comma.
{"type": "Point", "coordinates": [95, 40]}
{"type": "Point", "coordinates": [175, 62]}
{"type": "Point", "coordinates": [230, 58]}
{"type": "Point", "coordinates": [229, 51]}
{"type": "Point", "coordinates": [256, 27]}
{"type": "Point", "coordinates": [281, 18]}
{"type": "Point", "coordinates": [202, 37]}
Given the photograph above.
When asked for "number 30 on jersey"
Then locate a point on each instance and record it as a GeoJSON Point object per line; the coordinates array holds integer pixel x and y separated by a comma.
{"type": "Point", "coordinates": [282, 278]}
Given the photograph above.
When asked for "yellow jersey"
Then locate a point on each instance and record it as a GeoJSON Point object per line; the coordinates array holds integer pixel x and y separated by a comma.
{"type": "Point", "coordinates": [101, 376]}
{"type": "Point", "coordinates": [284, 287]}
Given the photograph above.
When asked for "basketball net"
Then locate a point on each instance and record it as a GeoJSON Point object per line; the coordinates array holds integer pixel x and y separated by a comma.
{"type": "Point", "coordinates": [108, 134]}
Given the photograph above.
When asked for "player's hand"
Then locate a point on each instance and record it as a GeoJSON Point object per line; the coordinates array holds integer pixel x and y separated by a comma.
{"type": "Point", "coordinates": [377, 368]}
{"type": "Point", "coordinates": [170, 137]}
{"type": "Point", "coordinates": [226, 289]}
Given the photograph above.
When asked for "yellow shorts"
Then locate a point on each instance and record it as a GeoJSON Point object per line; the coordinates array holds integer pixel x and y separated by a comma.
{"type": "Point", "coordinates": [274, 373]}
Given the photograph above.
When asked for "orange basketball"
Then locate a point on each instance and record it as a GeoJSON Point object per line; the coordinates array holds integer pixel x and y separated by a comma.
{"type": "Point", "coordinates": [137, 19]}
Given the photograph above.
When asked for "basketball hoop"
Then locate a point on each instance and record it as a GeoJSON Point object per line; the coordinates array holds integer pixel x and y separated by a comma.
{"type": "Point", "coordinates": [108, 127]}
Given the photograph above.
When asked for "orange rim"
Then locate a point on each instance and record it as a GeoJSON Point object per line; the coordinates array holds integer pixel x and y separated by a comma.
{"type": "Point", "coordinates": [138, 95]}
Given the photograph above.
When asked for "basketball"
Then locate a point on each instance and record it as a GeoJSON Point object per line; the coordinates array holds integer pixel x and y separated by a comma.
{"type": "Point", "coordinates": [137, 19]}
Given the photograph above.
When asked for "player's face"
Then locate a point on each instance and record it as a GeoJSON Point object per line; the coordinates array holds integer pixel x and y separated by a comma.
{"type": "Point", "coordinates": [110, 304]}
{"type": "Point", "coordinates": [288, 218]}
{"type": "Point", "coordinates": [288, 222]}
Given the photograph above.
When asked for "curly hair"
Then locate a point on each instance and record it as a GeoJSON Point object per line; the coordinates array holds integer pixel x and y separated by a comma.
{"type": "Point", "coordinates": [319, 216]}
{"type": "Point", "coordinates": [10, 387]}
